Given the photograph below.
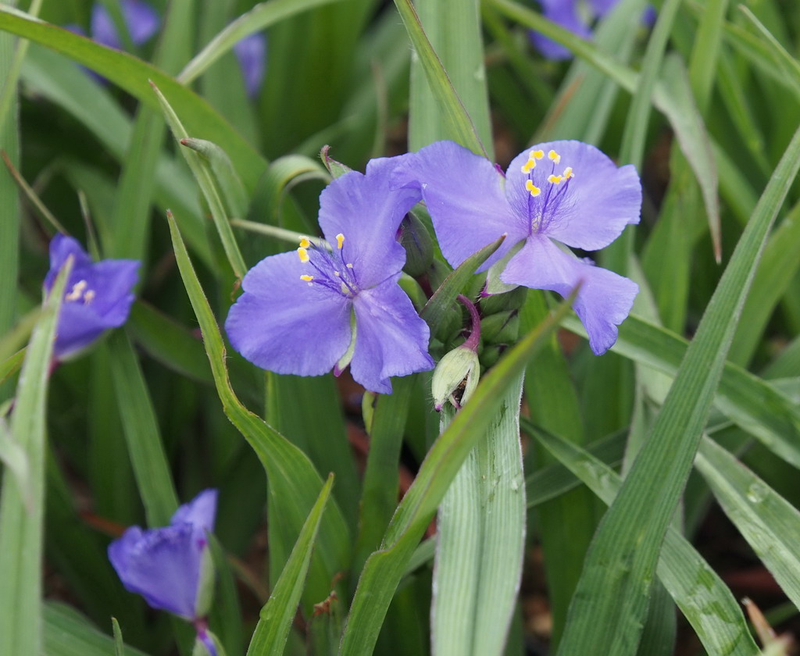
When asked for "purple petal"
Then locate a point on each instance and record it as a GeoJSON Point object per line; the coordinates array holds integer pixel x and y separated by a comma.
{"type": "Point", "coordinates": [391, 339]}
{"type": "Point", "coordinates": [252, 55]}
{"type": "Point", "coordinates": [464, 195]}
{"type": "Point", "coordinates": [602, 7]}
{"type": "Point", "coordinates": [285, 325]}
{"type": "Point", "coordinates": [103, 29]}
{"type": "Point", "coordinates": [603, 302]}
{"type": "Point", "coordinates": [142, 20]}
{"type": "Point", "coordinates": [600, 201]}
{"type": "Point", "coordinates": [78, 326]}
{"type": "Point", "coordinates": [162, 565]}
{"type": "Point", "coordinates": [61, 247]}
{"type": "Point", "coordinates": [367, 210]}
{"type": "Point", "coordinates": [565, 14]}
{"type": "Point", "coordinates": [200, 511]}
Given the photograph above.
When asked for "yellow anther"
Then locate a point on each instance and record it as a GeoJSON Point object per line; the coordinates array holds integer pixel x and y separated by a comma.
{"type": "Point", "coordinates": [553, 155]}
{"type": "Point", "coordinates": [339, 240]}
{"type": "Point", "coordinates": [349, 265]}
{"type": "Point", "coordinates": [537, 154]}
{"type": "Point", "coordinates": [528, 166]}
{"type": "Point", "coordinates": [88, 297]}
{"type": "Point", "coordinates": [303, 254]}
{"type": "Point", "coordinates": [568, 173]}
{"type": "Point", "coordinates": [77, 291]}
{"type": "Point", "coordinates": [304, 243]}
{"type": "Point", "coordinates": [307, 278]}
{"type": "Point", "coordinates": [535, 191]}
{"type": "Point", "coordinates": [554, 179]}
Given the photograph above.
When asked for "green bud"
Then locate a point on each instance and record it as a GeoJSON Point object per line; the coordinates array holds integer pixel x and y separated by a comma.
{"type": "Point", "coordinates": [500, 328]}
{"type": "Point", "coordinates": [475, 287]}
{"type": "Point", "coordinates": [336, 169]}
{"type": "Point", "coordinates": [491, 354]}
{"type": "Point", "coordinates": [455, 378]}
{"type": "Point", "coordinates": [437, 272]}
{"type": "Point", "coordinates": [512, 300]}
{"type": "Point", "coordinates": [414, 291]}
{"type": "Point", "coordinates": [416, 240]}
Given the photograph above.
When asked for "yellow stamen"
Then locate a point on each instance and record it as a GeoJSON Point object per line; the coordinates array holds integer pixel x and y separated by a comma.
{"type": "Point", "coordinates": [554, 179]}
{"type": "Point", "coordinates": [349, 266]}
{"type": "Point", "coordinates": [553, 155]}
{"type": "Point", "coordinates": [528, 166]}
{"type": "Point", "coordinates": [77, 291]}
{"type": "Point", "coordinates": [88, 297]}
{"type": "Point", "coordinates": [339, 240]}
{"type": "Point", "coordinates": [303, 254]}
{"type": "Point", "coordinates": [535, 191]}
{"type": "Point", "coordinates": [568, 173]}
{"type": "Point", "coordinates": [304, 243]}
{"type": "Point", "coordinates": [307, 278]}
{"type": "Point", "coordinates": [537, 154]}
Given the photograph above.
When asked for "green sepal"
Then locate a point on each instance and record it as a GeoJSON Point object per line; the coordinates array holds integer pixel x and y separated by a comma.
{"type": "Point", "coordinates": [413, 290]}
{"type": "Point", "coordinates": [341, 365]}
{"type": "Point", "coordinates": [416, 240]}
{"type": "Point", "coordinates": [500, 328]}
{"type": "Point", "coordinates": [491, 354]}
{"type": "Point", "coordinates": [513, 300]}
{"type": "Point", "coordinates": [493, 283]}
{"type": "Point", "coordinates": [336, 169]}
{"type": "Point", "coordinates": [205, 586]}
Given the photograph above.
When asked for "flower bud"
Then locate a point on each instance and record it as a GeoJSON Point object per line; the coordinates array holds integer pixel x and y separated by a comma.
{"type": "Point", "coordinates": [455, 377]}
{"type": "Point", "coordinates": [495, 303]}
{"type": "Point", "coordinates": [416, 240]}
{"type": "Point", "coordinates": [500, 328]}
{"type": "Point", "coordinates": [491, 354]}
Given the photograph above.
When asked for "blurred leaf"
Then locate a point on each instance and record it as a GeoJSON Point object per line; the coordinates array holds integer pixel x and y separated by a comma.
{"type": "Point", "coordinates": [611, 600]}
{"type": "Point", "coordinates": [223, 173]}
{"type": "Point", "coordinates": [119, 645]}
{"type": "Point", "coordinates": [385, 567]}
{"type": "Point", "coordinates": [11, 365]}
{"type": "Point", "coordinates": [22, 511]}
{"type": "Point", "coordinates": [276, 617]}
{"type": "Point", "coordinates": [67, 633]}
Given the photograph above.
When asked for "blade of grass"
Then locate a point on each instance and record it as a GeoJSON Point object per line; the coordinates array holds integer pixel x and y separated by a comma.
{"type": "Point", "coordinates": [385, 567]}
{"type": "Point", "coordinates": [769, 523]}
{"type": "Point", "coordinates": [22, 511]}
{"type": "Point", "coordinates": [276, 616]}
{"type": "Point", "coordinates": [700, 593]}
{"type": "Point", "coordinates": [611, 600]}
{"type": "Point", "coordinates": [66, 633]}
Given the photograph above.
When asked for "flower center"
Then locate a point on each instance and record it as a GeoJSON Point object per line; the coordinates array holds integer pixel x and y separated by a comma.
{"type": "Point", "coordinates": [328, 268]}
{"type": "Point", "coordinates": [546, 189]}
{"type": "Point", "coordinates": [80, 292]}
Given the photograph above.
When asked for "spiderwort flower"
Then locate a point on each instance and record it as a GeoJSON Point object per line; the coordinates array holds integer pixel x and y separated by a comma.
{"type": "Point", "coordinates": [329, 305]}
{"type": "Point", "coordinates": [563, 190]}
{"type": "Point", "coordinates": [98, 297]}
{"type": "Point", "coordinates": [171, 566]}
{"type": "Point", "coordinates": [141, 20]}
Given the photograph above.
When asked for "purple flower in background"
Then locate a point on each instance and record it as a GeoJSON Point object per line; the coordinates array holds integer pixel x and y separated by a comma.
{"type": "Point", "coordinates": [322, 307]}
{"type": "Point", "coordinates": [98, 295]}
{"type": "Point", "coordinates": [251, 51]}
{"type": "Point", "coordinates": [569, 15]}
{"type": "Point", "coordinates": [141, 20]}
{"type": "Point", "coordinates": [171, 566]}
{"type": "Point", "coordinates": [563, 190]}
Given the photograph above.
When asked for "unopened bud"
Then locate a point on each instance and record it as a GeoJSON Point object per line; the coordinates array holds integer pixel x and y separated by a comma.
{"type": "Point", "coordinates": [455, 377]}
{"type": "Point", "coordinates": [500, 328]}
{"type": "Point", "coordinates": [491, 354]}
{"type": "Point", "coordinates": [416, 240]}
{"type": "Point", "coordinates": [495, 303]}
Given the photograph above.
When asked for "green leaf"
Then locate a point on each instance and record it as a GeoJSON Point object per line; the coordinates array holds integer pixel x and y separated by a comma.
{"type": "Point", "coordinates": [133, 75]}
{"type": "Point", "coordinates": [481, 539]}
{"type": "Point", "coordinates": [276, 617]}
{"type": "Point", "coordinates": [222, 171]}
{"type": "Point", "coordinates": [257, 19]}
{"type": "Point", "coordinates": [700, 593]}
{"type": "Point", "coordinates": [22, 510]}
{"type": "Point", "coordinates": [384, 568]}
{"type": "Point", "coordinates": [457, 118]}
{"type": "Point", "coordinates": [610, 603]}
{"type": "Point", "coordinates": [139, 423]}
{"type": "Point", "coordinates": [293, 481]}
{"type": "Point", "coordinates": [11, 365]}
{"type": "Point", "coordinates": [209, 185]}
{"type": "Point", "coordinates": [119, 645]}
{"type": "Point", "coordinates": [769, 523]}
{"type": "Point", "coordinates": [67, 633]}
{"type": "Point", "coordinates": [435, 310]}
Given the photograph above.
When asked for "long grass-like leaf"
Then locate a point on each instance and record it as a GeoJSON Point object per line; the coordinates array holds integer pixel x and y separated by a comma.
{"type": "Point", "coordinates": [275, 619]}
{"type": "Point", "coordinates": [22, 509]}
{"type": "Point", "coordinates": [612, 596]}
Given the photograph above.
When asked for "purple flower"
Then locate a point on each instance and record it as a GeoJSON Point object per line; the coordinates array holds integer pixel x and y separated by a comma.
{"type": "Point", "coordinates": [141, 20]}
{"type": "Point", "coordinates": [251, 52]}
{"type": "Point", "coordinates": [325, 307]}
{"type": "Point", "coordinates": [563, 190]}
{"type": "Point", "coordinates": [98, 297]}
{"type": "Point", "coordinates": [171, 566]}
{"type": "Point", "coordinates": [569, 15]}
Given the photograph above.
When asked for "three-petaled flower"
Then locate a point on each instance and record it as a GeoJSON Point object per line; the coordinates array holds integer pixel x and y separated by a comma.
{"type": "Point", "coordinates": [564, 191]}
{"type": "Point", "coordinates": [98, 295]}
{"type": "Point", "coordinates": [171, 566]}
{"type": "Point", "coordinates": [331, 304]}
